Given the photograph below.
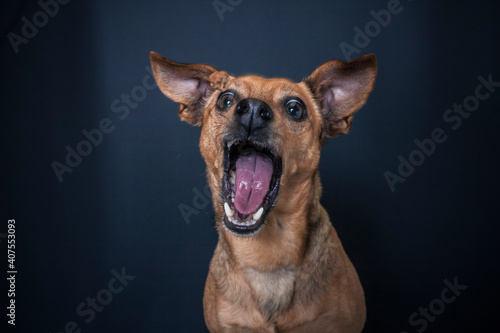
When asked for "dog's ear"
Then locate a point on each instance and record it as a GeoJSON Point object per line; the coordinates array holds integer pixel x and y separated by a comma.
{"type": "Point", "coordinates": [340, 89]}
{"type": "Point", "coordinates": [188, 85]}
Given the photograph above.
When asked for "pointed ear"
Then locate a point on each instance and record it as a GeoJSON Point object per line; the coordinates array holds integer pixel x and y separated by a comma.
{"type": "Point", "coordinates": [188, 85]}
{"type": "Point", "coordinates": [340, 89]}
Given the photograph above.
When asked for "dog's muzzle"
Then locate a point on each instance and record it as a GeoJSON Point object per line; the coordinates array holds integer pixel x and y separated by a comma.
{"type": "Point", "coordinates": [252, 169]}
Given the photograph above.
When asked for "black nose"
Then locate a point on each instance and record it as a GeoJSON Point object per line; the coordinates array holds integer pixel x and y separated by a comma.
{"type": "Point", "coordinates": [253, 114]}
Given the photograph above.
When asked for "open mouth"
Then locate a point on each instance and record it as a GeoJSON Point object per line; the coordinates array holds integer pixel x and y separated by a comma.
{"type": "Point", "coordinates": [250, 186]}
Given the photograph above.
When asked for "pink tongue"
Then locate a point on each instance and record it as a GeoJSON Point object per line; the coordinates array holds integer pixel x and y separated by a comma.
{"type": "Point", "coordinates": [253, 176]}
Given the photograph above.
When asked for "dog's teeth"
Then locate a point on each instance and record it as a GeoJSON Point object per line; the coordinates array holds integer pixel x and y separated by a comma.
{"type": "Point", "coordinates": [258, 215]}
{"type": "Point", "coordinates": [242, 223]}
{"type": "Point", "coordinates": [232, 177]}
{"type": "Point", "coordinates": [230, 143]}
{"type": "Point", "coordinates": [229, 211]}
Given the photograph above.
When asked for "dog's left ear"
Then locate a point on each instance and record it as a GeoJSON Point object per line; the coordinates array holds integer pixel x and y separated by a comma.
{"type": "Point", "coordinates": [341, 88]}
{"type": "Point", "coordinates": [188, 85]}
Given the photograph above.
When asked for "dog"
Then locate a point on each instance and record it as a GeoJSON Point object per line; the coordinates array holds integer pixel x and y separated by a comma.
{"type": "Point", "coordinates": [278, 265]}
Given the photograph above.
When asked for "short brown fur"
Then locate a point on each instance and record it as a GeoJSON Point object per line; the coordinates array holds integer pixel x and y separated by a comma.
{"type": "Point", "coordinates": [293, 274]}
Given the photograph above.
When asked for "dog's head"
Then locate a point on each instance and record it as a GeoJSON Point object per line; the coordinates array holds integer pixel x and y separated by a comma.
{"type": "Point", "coordinates": [259, 136]}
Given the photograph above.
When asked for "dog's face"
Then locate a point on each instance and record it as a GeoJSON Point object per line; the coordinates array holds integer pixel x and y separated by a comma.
{"type": "Point", "coordinates": [262, 137]}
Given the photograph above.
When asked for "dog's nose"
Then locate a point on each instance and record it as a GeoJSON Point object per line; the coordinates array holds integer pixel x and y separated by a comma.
{"type": "Point", "coordinates": [253, 113]}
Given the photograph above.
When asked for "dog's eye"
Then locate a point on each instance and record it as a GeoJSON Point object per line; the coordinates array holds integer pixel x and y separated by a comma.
{"type": "Point", "coordinates": [226, 100]}
{"type": "Point", "coordinates": [295, 109]}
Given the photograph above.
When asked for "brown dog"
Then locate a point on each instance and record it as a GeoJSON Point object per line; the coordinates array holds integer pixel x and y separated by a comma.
{"type": "Point", "coordinates": [279, 265]}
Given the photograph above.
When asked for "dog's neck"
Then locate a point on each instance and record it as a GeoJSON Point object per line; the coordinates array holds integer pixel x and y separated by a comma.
{"type": "Point", "coordinates": [281, 244]}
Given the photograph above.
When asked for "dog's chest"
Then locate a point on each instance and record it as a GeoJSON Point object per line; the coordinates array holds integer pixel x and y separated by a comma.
{"type": "Point", "coordinates": [274, 290]}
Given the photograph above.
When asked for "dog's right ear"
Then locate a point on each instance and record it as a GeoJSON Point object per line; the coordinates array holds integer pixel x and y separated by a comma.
{"type": "Point", "coordinates": [188, 85]}
{"type": "Point", "coordinates": [341, 88]}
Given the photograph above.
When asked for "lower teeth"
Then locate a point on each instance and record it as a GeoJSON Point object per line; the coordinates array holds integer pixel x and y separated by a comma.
{"type": "Point", "coordinates": [247, 223]}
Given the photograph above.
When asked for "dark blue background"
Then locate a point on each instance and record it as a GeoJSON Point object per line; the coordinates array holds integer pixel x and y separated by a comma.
{"type": "Point", "coordinates": [120, 206]}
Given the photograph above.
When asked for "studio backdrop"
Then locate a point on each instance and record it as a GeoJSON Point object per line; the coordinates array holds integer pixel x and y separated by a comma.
{"type": "Point", "coordinates": [104, 192]}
